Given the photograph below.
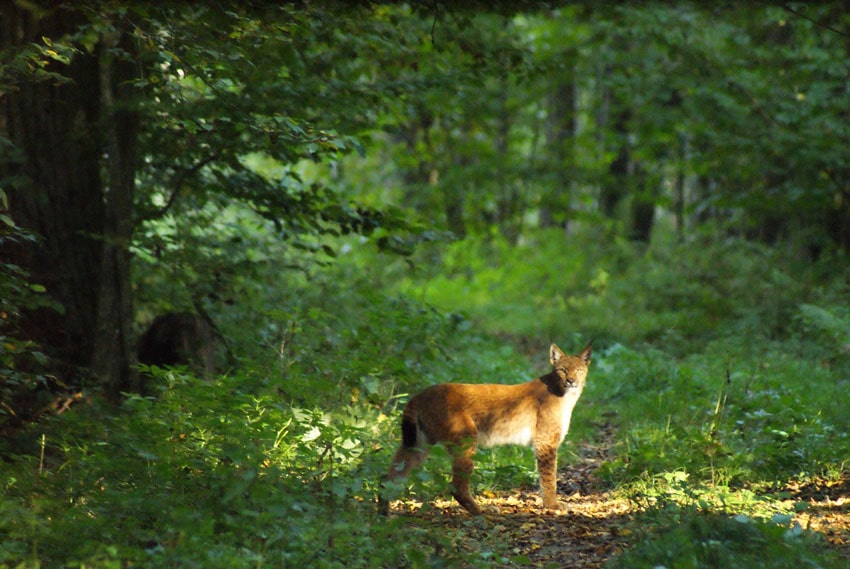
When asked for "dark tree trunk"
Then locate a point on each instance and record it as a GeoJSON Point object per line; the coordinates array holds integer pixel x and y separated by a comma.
{"type": "Point", "coordinates": [508, 198]}
{"type": "Point", "coordinates": [680, 205]}
{"type": "Point", "coordinates": [114, 346]}
{"type": "Point", "coordinates": [838, 219]}
{"type": "Point", "coordinates": [642, 208]}
{"type": "Point", "coordinates": [627, 179]}
{"type": "Point", "coordinates": [453, 205]}
{"type": "Point", "coordinates": [838, 215]}
{"type": "Point", "coordinates": [614, 187]}
{"type": "Point", "coordinates": [560, 136]}
{"type": "Point", "coordinates": [74, 188]}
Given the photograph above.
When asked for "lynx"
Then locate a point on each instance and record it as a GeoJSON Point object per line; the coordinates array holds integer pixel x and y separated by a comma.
{"type": "Point", "coordinates": [465, 416]}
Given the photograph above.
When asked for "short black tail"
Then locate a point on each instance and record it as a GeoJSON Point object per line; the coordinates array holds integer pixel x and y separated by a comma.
{"type": "Point", "coordinates": [408, 431]}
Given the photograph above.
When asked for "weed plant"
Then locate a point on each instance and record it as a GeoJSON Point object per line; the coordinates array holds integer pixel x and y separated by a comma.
{"type": "Point", "coordinates": [695, 539]}
{"type": "Point", "coordinates": [276, 464]}
{"type": "Point", "coordinates": [723, 365]}
{"type": "Point", "coordinates": [725, 381]}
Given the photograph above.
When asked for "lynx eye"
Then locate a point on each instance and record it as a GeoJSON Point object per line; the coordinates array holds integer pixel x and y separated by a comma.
{"type": "Point", "coordinates": [564, 375]}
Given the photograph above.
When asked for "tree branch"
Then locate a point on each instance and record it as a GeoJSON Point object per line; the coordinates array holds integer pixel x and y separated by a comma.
{"type": "Point", "coordinates": [179, 180]}
{"type": "Point", "coordinates": [788, 8]}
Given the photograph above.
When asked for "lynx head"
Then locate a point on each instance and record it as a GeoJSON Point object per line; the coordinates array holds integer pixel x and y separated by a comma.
{"type": "Point", "coordinates": [568, 372]}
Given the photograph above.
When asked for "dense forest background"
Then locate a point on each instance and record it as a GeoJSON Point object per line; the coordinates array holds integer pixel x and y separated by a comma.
{"type": "Point", "coordinates": [348, 202]}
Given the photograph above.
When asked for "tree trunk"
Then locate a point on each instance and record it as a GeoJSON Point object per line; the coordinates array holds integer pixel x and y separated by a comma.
{"type": "Point", "coordinates": [614, 187]}
{"type": "Point", "coordinates": [627, 179]}
{"type": "Point", "coordinates": [680, 198]}
{"type": "Point", "coordinates": [508, 199]}
{"type": "Point", "coordinates": [114, 346]}
{"type": "Point", "coordinates": [838, 218]}
{"type": "Point", "coordinates": [69, 134]}
{"type": "Point", "coordinates": [560, 135]}
{"type": "Point", "coordinates": [642, 208]}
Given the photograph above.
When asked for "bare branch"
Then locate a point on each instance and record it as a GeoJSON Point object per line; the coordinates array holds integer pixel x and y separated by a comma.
{"type": "Point", "coordinates": [788, 8]}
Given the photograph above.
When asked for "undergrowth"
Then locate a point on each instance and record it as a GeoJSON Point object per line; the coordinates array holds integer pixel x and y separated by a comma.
{"type": "Point", "coordinates": [722, 365]}
{"type": "Point", "coordinates": [710, 362]}
{"type": "Point", "coordinates": [691, 538]}
{"type": "Point", "coordinates": [276, 464]}
{"type": "Point", "coordinates": [725, 382]}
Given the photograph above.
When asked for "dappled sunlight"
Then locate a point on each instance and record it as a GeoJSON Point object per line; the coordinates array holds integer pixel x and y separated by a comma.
{"type": "Point", "coordinates": [597, 525]}
{"type": "Point", "coordinates": [515, 529]}
{"type": "Point", "coordinates": [825, 509]}
{"type": "Point", "coordinates": [592, 527]}
{"type": "Point", "coordinates": [236, 238]}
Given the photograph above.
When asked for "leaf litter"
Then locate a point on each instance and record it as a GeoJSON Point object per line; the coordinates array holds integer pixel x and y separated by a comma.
{"type": "Point", "coordinates": [595, 524]}
{"type": "Point", "coordinates": [592, 527]}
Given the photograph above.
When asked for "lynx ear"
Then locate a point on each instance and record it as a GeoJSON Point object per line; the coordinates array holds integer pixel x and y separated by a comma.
{"type": "Point", "coordinates": [555, 353]}
{"type": "Point", "coordinates": [586, 352]}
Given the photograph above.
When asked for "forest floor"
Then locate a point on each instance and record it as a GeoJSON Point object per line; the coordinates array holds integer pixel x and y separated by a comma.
{"type": "Point", "coordinates": [592, 528]}
{"type": "Point", "coordinates": [597, 524]}
{"type": "Point", "coordinates": [828, 511]}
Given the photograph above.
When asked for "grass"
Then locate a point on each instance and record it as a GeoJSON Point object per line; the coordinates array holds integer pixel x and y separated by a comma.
{"type": "Point", "coordinates": [725, 382]}
{"type": "Point", "coordinates": [696, 539]}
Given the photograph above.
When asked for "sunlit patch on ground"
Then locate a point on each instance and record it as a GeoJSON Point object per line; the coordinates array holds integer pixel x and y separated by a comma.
{"type": "Point", "coordinates": [588, 532]}
{"type": "Point", "coordinates": [828, 511]}
{"type": "Point", "coordinates": [592, 527]}
{"type": "Point", "coordinates": [596, 525]}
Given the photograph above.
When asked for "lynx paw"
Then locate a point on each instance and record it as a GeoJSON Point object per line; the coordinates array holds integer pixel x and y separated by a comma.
{"type": "Point", "coordinates": [554, 507]}
{"type": "Point", "coordinates": [477, 509]}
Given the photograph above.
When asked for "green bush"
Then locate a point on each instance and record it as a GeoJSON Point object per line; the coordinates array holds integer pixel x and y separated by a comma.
{"type": "Point", "coordinates": [209, 474]}
{"type": "Point", "coordinates": [723, 381]}
{"type": "Point", "coordinates": [705, 541]}
{"type": "Point", "coordinates": [276, 464]}
{"type": "Point", "coordinates": [731, 415]}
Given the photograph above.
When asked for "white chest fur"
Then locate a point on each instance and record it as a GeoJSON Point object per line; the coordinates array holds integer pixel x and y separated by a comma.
{"type": "Point", "coordinates": [521, 428]}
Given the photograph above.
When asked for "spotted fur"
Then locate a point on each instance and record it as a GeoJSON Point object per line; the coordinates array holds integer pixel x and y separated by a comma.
{"type": "Point", "coordinates": [465, 416]}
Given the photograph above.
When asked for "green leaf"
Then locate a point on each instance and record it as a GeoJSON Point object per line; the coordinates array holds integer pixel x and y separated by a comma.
{"type": "Point", "coordinates": [311, 435]}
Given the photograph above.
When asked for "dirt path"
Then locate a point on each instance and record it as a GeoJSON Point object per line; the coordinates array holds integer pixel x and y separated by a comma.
{"type": "Point", "coordinates": [595, 525]}
{"type": "Point", "coordinates": [827, 512]}
{"type": "Point", "coordinates": [586, 534]}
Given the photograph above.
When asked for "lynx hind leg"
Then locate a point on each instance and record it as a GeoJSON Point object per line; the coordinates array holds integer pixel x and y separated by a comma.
{"type": "Point", "coordinates": [406, 459]}
{"type": "Point", "coordinates": [462, 467]}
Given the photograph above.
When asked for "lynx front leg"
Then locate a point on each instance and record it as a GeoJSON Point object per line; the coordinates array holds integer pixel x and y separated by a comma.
{"type": "Point", "coordinates": [547, 465]}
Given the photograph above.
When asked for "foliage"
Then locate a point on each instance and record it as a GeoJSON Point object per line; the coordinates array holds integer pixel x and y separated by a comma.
{"type": "Point", "coordinates": [670, 294]}
{"type": "Point", "coordinates": [725, 380]}
{"type": "Point", "coordinates": [278, 462]}
{"type": "Point", "coordinates": [159, 482]}
{"type": "Point", "coordinates": [285, 151]}
{"type": "Point", "coordinates": [707, 541]}
{"type": "Point", "coordinates": [733, 409]}
{"type": "Point", "coordinates": [729, 417]}
{"type": "Point", "coordinates": [24, 368]}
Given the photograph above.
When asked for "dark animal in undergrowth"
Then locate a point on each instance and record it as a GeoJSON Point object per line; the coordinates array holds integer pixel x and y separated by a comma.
{"type": "Point", "coordinates": [179, 338]}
